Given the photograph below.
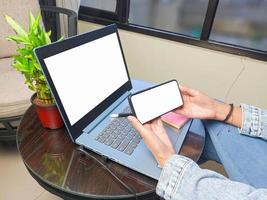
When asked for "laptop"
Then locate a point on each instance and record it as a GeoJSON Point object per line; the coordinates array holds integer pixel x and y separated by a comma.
{"type": "Point", "coordinates": [89, 80]}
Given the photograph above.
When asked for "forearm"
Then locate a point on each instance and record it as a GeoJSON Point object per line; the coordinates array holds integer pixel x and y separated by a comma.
{"type": "Point", "coordinates": [249, 119]}
{"type": "Point", "coordinates": [181, 178]}
{"type": "Point", "coordinates": [221, 111]}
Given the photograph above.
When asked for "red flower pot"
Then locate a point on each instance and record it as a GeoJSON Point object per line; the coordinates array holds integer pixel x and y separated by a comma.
{"type": "Point", "coordinates": [48, 114]}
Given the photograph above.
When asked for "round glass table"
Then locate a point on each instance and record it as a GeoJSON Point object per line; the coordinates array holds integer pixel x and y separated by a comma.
{"type": "Point", "coordinates": [56, 163]}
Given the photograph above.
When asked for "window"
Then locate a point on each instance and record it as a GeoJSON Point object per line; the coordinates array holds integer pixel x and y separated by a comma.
{"type": "Point", "coordinates": [109, 5]}
{"type": "Point", "coordinates": [237, 27]}
{"type": "Point", "coordinates": [110, 10]}
{"type": "Point", "coordinates": [241, 23]}
{"type": "Point", "coordinates": [179, 16]}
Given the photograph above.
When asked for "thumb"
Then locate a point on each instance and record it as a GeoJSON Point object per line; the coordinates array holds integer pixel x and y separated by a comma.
{"type": "Point", "coordinates": [148, 136]}
{"type": "Point", "coordinates": [138, 126]}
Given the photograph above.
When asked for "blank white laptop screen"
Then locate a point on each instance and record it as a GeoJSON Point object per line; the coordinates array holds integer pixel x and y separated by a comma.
{"type": "Point", "coordinates": [86, 75]}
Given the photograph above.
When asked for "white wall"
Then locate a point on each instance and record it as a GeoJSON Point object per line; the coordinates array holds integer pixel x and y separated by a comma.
{"type": "Point", "coordinates": [225, 76]}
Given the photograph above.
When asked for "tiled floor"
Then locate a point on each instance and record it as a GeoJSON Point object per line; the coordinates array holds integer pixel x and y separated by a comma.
{"type": "Point", "coordinates": [15, 181]}
{"type": "Point", "coordinates": [212, 165]}
{"type": "Point", "coordinates": [17, 184]}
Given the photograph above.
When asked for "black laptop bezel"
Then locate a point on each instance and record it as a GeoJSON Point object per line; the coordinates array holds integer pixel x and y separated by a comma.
{"type": "Point", "coordinates": [41, 53]}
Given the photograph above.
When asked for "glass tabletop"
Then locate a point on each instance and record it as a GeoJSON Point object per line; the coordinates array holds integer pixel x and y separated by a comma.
{"type": "Point", "coordinates": [57, 164]}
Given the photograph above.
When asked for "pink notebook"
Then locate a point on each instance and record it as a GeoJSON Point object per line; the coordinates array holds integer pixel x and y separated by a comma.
{"type": "Point", "coordinates": [174, 119]}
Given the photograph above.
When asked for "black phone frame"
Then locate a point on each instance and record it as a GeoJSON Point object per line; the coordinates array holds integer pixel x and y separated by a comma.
{"type": "Point", "coordinates": [150, 88]}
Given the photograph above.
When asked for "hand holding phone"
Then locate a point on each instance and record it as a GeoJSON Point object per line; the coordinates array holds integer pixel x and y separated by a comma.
{"type": "Point", "coordinates": [151, 103]}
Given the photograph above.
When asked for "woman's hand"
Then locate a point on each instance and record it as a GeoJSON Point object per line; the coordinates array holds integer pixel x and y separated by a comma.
{"type": "Point", "coordinates": [155, 137]}
{"type": "Point", "coordinates": [199, 105]}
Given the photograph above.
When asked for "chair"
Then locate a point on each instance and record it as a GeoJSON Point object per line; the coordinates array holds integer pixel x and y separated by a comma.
{"type": "Point", "coordinates": [14, 94]}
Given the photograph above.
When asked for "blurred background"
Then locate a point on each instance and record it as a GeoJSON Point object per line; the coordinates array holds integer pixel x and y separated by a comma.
{"type": "Point", "coordinates": [237, 22]}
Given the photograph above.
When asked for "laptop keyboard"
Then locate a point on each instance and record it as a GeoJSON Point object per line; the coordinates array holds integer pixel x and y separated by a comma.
{"type": "Point", "coordinates": [120, 135]}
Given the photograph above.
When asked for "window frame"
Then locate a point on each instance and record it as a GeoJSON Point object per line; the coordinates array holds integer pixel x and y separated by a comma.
{"type": "Point", "coordinates": [121, 16]}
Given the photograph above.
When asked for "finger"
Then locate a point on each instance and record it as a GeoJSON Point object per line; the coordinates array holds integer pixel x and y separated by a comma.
{"type": "Point", "coordinates": [186, 97]}
{"type": "Point", "coordinates": [160, 124]}
{"type": "Point", "coordinates": [159, 130]}
{"type": "Point", "coordinates": [163, 135]}
{"type": "Point", "coordinates": [151, 140]}
{"type": "Point", "coordinates": [181, 111]}
{"type": "Point", "coordinates": [139, 127]}
{"type": "Point", "coordinates": [157, 125]}
{"type": "Point", "coordinates": [189, 91]}
{"type": "Point", "coordinates": [148, 126]}
{"type": "Point", "coordinates": [135, 122]}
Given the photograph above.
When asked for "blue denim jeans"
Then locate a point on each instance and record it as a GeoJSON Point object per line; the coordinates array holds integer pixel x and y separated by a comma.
{"type": "Point", "coordinates": [244, 158]}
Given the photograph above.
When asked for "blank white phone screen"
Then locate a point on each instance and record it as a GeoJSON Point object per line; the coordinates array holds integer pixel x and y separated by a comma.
{"type": "Point", "coordinates": [156, 101]}
{"type": "Point", "coordinates": [86, 75]}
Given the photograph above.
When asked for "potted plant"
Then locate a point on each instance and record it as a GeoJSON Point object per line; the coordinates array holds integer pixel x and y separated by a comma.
{"type": "Point", "coordinates": [26, 63]}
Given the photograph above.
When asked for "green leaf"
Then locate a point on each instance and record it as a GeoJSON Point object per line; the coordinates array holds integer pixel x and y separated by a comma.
{"type": "Point", "coordinates": [25, 62]}
{"type": "Point", "coordinates": [24, 52]}
{"type": "Point", "coordinates": [34, 40]}
{"type": "Point", "coordinates": [29, 83]}
{"type": "Point", "coordinates": [42, 38]}
{"type": "Point", "coordinates": [21, 59]}
{"type": "Point", "coordinates": [37, 66]}
{"type": "Point", "coordinates": [42, 77]}
{"type": "Point", "coordinates": [60, 39]}
{"type": "Point", "coordinates": [31, 21]}
{"type": "Point", "coordinates": [21, 67]}
{"type": "Point", "coordinates": [36, 23]}
{"type": "Point", "coordinates": [19, 30]}
{"type": "Point", "coordinates": [30, 86]}
{"type": "Point", "coordinates": [18, 39]}
{"type": "Point", "coordinates": [49, 33]}
{"type": "Point", "coordinates": [31, 66]}
{"type": "Point", "coordinates": [47, 37]}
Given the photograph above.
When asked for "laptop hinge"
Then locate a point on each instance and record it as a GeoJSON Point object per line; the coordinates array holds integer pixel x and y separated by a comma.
{"type": "Point", "coordinates": [104, 114]}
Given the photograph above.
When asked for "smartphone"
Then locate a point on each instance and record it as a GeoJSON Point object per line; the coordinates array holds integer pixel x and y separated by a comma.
{"type": "Point", "coordinates": [153, 102]}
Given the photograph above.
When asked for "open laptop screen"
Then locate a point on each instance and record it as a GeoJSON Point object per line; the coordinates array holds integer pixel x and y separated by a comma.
{"type": "Point", "coordinates": [86, 75]}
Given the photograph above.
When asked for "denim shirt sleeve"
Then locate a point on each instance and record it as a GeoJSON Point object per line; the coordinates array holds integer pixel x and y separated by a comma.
{"type": "Point", "coordinates": [254, 121]}
{"type": "Point", "coordinates": [181, 178]}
